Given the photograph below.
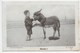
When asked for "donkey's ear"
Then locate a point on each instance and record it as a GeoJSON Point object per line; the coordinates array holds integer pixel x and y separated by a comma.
{"type": "Point", "coordinates": [40, 10]}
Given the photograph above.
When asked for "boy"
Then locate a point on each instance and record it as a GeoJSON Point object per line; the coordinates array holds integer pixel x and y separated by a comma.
{"type": "Point", "coordinates": [28, 24]}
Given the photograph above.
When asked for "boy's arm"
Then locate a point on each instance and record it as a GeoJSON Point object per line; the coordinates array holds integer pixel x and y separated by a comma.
{"type": "Point", "coordinates": [37, 24]}
{"type": "Point", "coordinates": [28, 22]}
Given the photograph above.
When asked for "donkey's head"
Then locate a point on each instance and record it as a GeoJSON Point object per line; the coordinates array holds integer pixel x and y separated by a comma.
{"type": "Point", "coordinates": [37, 15]}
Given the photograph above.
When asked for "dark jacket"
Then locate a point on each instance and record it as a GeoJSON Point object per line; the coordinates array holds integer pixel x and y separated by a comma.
{"type": "Point", "coordinates": [28, 21]}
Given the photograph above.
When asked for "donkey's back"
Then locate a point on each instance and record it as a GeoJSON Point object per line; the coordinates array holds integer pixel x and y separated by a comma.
{"type": "Point", "coordinates": [51, 20]}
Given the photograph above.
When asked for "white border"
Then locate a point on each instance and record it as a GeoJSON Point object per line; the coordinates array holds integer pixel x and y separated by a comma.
{"type": "Point", "coordinates": [46, 48]}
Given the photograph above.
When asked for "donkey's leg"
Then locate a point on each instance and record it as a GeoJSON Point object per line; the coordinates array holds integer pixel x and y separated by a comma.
{"type": "Point", "coordinates": [59, 33]}
{"type": "Point", "coordinates": [58, 28]}
{"type": "Point", "coordinates": [54, 32]}
{"type": "Point", "coordinates": [44, 33]}
{"type": "Point", "coordinates": [54, 27]}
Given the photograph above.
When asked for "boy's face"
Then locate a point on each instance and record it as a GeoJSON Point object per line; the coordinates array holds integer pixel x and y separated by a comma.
{"type": "Point", "coordinates": [27, 14]}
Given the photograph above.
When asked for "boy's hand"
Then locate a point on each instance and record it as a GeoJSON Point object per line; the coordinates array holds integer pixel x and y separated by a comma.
{"type": "Point", "coordinates": [36, 23]}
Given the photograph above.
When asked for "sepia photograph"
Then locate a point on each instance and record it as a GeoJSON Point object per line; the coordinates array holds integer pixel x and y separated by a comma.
{"type": "Point", "coordinates": [39, 24]}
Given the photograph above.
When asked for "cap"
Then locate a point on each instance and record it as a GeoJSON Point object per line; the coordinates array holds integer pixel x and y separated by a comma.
{"type": "Point", "coordinates": [25, 12]}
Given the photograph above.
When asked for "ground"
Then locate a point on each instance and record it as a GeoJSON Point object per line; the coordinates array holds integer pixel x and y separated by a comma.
{"type": "Point", "coordinates": [16, 37]}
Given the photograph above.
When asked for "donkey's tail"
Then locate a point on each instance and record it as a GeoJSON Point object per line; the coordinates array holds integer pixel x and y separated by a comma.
{"type": "Point", "coordinates": [59, 24]}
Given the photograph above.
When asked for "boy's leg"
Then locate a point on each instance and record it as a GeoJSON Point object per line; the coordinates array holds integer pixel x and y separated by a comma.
{"type": "Point", "coordinates": [27, 28]}
{"type": "Point", "coordinates": [29, 32]}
